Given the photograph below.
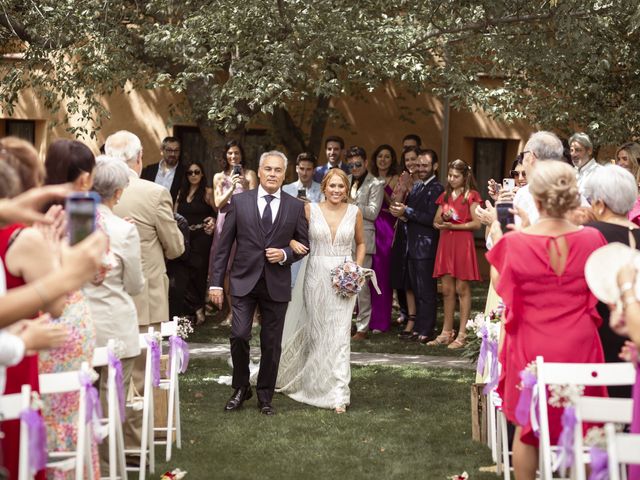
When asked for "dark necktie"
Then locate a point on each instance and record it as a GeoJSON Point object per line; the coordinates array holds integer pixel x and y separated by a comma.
{"type": "Point", "coordinates": [266, 214]}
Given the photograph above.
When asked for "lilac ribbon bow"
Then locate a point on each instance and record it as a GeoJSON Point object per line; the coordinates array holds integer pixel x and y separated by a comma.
{"type": "Point", "coordinates": [599, 464]}
{"type": "Point", "coordinates": [93, 408]}
{"type": "Point", "coordinates": [565, 442]}
{"type": "Point", "coordinates": [493, 367]}
{"type": "Point", "coordinates": [482, 358]}
{"type": "Point", "coordinates": [37, 439]}
{"type": "Point", "coordinates": [116, 364]}
{"type": "Point", "coordinates": [524, 406]}
{"type": "Point", "coordinates": [177, 346]}
{"type": "Point", "coordinates": [155, 359]}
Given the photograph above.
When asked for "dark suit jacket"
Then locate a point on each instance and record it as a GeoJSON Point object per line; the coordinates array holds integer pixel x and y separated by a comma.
{"type": "Point", "coordinates": [242, 224]}
{"type": "Point", "coordinates": [150, 171]}
{"type": "Point", "coordinates": [321, 171]}
{"type": "Point", "coordinates": [422, 237]}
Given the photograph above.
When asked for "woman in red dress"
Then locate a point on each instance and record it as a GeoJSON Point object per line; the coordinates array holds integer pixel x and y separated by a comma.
{"type": "Point", "coordinates": [456, 260]}
{"type": "Point", "coordinates": [539, 274]}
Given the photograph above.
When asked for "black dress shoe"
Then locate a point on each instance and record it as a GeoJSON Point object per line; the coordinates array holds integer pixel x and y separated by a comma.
{"type": "Point", "coordinates": [266, 408]}
{"type": "Point", "coordinates": [239, 396]}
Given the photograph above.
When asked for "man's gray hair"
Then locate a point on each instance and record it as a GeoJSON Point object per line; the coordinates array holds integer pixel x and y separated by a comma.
{"type": "Point", "coordinates": [110, 175]}
{"type": "Point", "coordinates": [123, 145]}
{"type": "Point", "coordinates": [273, 153]}
{"type": "Point", "coordinates": [615, 186]}
{"type": "Point", "coordinates": [545, 146]}
{"type": "Point", "coordinates": [582, 138]}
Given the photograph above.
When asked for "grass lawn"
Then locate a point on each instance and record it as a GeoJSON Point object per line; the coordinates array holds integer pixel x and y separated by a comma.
{"type": "Point", "coordinates": [213, 332]}
{"type": "Point", "coordinates": [404, 423]}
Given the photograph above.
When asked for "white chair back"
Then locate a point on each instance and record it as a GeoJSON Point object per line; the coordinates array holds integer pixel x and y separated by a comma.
{"type": "Point", "coordinates": [622, 449]}
{"type": "Point", "coordinates": [11, 406]}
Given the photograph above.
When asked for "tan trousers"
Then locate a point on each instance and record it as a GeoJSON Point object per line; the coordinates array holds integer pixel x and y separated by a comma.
{"type": "Point", "coordinates": [127, 369]}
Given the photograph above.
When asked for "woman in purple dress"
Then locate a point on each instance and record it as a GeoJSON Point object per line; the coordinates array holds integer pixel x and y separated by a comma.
{"type": "Point", "coordinates": [384, 166]}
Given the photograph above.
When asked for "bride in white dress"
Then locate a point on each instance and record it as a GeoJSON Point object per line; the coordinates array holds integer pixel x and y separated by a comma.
{"type": "Point", "coordinates": [315, 362]}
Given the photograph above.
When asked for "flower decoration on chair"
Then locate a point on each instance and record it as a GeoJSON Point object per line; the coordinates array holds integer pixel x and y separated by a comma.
{"type": "Point", "coordinates": [348, 278]}
{"type": "Point", "coordinates": [184, 327]}
{"type": "Point", "coordinates": [37, 434]}
{"type": "Point", "coordinates": [596, 440]}
{"type": "Point", "coordinates": [487, 330]}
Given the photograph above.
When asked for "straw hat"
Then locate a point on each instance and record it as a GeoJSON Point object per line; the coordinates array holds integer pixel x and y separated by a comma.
{"type": "Point", "coordinates": [602, 267]}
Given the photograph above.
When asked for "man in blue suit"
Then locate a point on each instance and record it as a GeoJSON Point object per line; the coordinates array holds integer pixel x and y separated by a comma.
{"type": "Point", "coordinates": [334, 148]}
{"type": "Point", "coordinates": [422, 242]}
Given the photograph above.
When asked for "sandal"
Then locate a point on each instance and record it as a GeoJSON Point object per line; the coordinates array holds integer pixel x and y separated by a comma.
{"type": "Point", "coordinates": [445, 338]}
{"type": "Point", "coordinates": [459, 342]}
{"type": "Point", "coordinates": [341, 409]}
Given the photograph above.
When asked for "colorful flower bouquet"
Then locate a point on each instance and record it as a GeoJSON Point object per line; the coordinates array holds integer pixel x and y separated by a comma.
{"type": "Point", "coordinates": [481, 328]}
{"type": "Point", "coordinates": [348, 278]}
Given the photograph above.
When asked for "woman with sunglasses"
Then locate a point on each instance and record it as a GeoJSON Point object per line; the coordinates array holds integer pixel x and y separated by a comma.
{"type": "Point", "coordinates": [193, 204]}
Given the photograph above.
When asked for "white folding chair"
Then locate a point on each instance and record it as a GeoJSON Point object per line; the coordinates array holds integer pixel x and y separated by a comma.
{"type": "Point", "coordinates": [596, 410]}
{"type": "Point", "coordinates": [65, 382]}
{"type": "Point", "coordinates": [622, 449]}
{"type": "Point", "coordinates": [146, 403]}
{"type": "Point", "coordinates": [585, 374]}
{"type": "Point", "coordinates": [11, 407]}
{"type": "Point", "coordinates": [113, 422]}
{"type": "Point", "coordinates": [169, 329]}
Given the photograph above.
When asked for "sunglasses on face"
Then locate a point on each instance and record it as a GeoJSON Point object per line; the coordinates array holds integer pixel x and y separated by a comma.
{"type": "Point", "coordinates": [516, 174]}
{"type": "Point", "coordinates": [193, 173]}
{"type": "Point", "coordinates": [356, 164]}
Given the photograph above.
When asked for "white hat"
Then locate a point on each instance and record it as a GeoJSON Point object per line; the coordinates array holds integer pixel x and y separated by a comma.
{"type": "Point", "coordinates": [602, 267]}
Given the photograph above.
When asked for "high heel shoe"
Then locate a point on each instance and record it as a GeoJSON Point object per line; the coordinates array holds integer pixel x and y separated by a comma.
{"type": "Point", "coordinates": [459, 342]}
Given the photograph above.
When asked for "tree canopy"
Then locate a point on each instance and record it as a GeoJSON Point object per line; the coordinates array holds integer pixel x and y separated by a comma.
{"type": "Point", "coordinates": [558, 64]}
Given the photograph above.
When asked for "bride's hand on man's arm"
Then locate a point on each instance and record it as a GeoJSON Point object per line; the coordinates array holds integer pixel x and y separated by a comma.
{"type": "Point", "coordinates": [298, 248]}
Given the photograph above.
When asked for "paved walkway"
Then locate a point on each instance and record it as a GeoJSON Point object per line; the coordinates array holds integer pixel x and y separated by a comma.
{"type": "Point", "coordinates": [199, 350]}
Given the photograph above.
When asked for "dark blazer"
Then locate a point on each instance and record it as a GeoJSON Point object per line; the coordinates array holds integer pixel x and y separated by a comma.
{"type": "Point", "coordinates": [321, 171]}
{"type": "Point", "coordinates": [422, 237]}
{"type": "Point", "coordinates": [242, 224]}
{"type": "Point", "coordinates": [150, 171]}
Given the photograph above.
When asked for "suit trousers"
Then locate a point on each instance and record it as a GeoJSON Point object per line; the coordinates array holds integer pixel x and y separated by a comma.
{"type": "Point", "coordinates": [425, 289]}
{"type": "Point", "coordinates": [273, 314]}
{"type": "Point", "coordinates": [127, 370]}
{"type": "Point", "coordinates": [364, 301]}
{"type": "Point", "coordinates": [132, 426]}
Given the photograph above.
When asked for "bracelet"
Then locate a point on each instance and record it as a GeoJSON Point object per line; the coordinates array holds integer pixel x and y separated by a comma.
{"type": "Point", "coordinates": [43, 297]}
{"type": "Point", "coordinates": [625, 287]}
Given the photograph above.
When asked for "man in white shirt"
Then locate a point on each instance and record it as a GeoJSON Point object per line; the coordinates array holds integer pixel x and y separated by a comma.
{"type": "Point", "coordinates": [305, 187]}
{"type": "Point", "coordinates": [168, 172]}
{"type": "Point", "coordinates": [580, 149]}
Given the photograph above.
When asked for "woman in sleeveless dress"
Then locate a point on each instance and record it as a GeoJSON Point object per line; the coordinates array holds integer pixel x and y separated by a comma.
{"type": "Point", "coordinates": [384, 166]}
{"type": "Point", "coordinates": [233, 179]}
{"type": "Point", "coordinates": [315, 361]}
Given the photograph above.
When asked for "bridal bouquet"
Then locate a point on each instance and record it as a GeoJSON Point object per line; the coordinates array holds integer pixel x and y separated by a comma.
{"type": "Point", "coordinates": [348, 279]}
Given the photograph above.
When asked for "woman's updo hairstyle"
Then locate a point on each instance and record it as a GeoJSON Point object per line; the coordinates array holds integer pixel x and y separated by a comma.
{"type": "Point", "coordinates": [553, 184]}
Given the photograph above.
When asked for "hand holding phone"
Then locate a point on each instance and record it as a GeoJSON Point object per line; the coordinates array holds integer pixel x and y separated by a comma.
{"type": "Point", "coordinates": [81, 215]}
{"type": "Point", "coordinates": [302, 193]}
{"type": "Point", "coordinates": [508, 184]}
{"type": "Point", "coordinates": [237, 170]}
{"type": "Point", "coordinates": [505, 217]}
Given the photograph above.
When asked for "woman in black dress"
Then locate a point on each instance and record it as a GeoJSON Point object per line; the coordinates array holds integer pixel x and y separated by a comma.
{"type": "Point", "coordinates": [193, 203]}
{"type": "Point", "coordinates": [612, 191]}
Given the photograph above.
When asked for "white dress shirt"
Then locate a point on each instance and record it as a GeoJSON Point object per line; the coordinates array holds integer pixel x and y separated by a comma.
{"type": "Point", "coordinates": [585, 171]}
{"type": "Point", "coordinates": [165, 175]}
{"type": "Point", "coordinates": [314, 194]}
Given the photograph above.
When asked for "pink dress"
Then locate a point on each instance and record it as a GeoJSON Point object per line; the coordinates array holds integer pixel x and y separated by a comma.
{"type": "Point", "coordinates": [381, 264]}
{"type": "Point", "coordinates": [456, 255]}
{"type": "Point", "coordinates": [547, 314]}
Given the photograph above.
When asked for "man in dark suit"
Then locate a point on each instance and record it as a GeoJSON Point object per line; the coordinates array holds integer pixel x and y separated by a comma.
{"type": "Point", "coordinates": [422, 242]}
{"type": "Point", "coordinates": [262, 222]}
{"type": "Point", "coordinates": [334, 149]}
{"type": "Point", "coordinates": [168, 172]}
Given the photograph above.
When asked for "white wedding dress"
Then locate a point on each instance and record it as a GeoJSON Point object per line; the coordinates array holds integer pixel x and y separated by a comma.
{"type": "Point", "coordinates": [314, 365]}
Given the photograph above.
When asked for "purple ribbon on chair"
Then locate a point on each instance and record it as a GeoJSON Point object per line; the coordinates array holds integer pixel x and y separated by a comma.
{"type": "Point", "coordinates": [493, 367]}
{"type": "Point", "coordinates": [565, 442]}
{"type": "Point", "coordinates": [155, 359]}
{"type": "Point", "coordinates": [599, 464]}
{"type": "Point", "coordinates": [94, 409]}
{"type": "Point", "coordinates": [177, 346]}
{"type": "Point", "coordinates": [116, 364]}
{"type": "Point", "coordinates": [524, 406]}
{"type": "Point", "coordinates": [482, 358]}
{"type": "Point", "coordinates": [37, 439]}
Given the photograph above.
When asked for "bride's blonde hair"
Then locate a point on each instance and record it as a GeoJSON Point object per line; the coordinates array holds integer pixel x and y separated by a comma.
{"type": "Point", "coordinates": [343, 176]}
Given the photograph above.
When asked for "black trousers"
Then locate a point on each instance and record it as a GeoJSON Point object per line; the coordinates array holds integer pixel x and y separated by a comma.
{"type": "Point", "coordinates": [273, 314]}
{"type": "Point", "coordinates": [425, 289]}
